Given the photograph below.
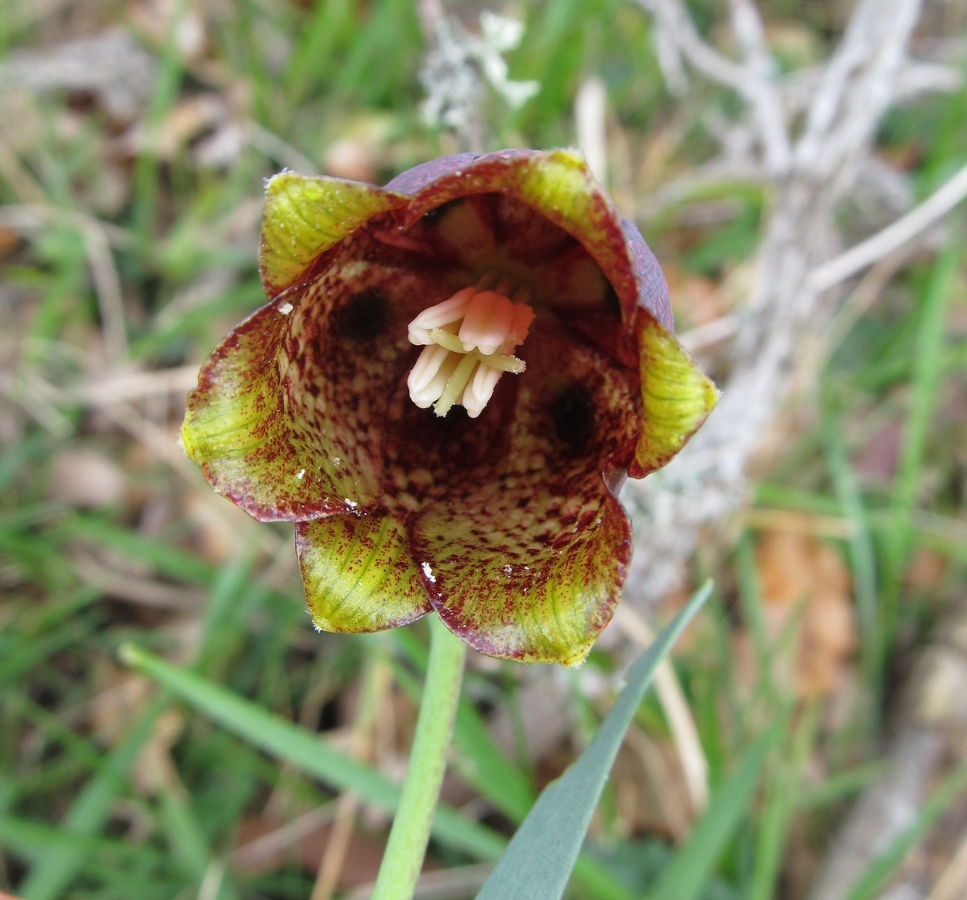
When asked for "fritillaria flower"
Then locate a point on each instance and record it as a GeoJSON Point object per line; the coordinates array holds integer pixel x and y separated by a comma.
{"type": "Point", "coordinates": [450, 380]}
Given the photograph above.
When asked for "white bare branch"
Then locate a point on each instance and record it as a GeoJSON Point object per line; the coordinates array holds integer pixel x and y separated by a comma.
{"type": "Point", "coordinates": [677, 37]}
{"type": "Point", "coordinates": [894, 236]}
{"type": "Point", "coordinates": [672, 18]}
{"type": "Point", "coordinates": [789, 296]}
{"type": "Point", "coordinates": [753, 79]}
{"type": "Point", "coordinates": [858, 84]}
{"type": "Point", "coordinates": [760, 84]}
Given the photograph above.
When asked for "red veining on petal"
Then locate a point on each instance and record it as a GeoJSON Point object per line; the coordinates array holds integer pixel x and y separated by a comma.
{"type": "Point", "coordinates": [507, 523]}
{"type": "Point", "coordinates": [528, 548]}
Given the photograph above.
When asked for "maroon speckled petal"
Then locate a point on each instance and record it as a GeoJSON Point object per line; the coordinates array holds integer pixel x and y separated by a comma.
{"type": "Point", "coordinates": [238, 429]}
{"type": "Point", "coordinates": [524, 554]}
{"type": "Point", "coordinates": [652, 289]}
{"type": "Point", "coordinates": [507, 525]}
{"type": "Point", "coordinates": [358, 573]}
{"type": "Point", "coordinates": [289, 417]}
{"type": "Point", "coordinates": [415, 179]}
{"type": "Point", "coordinates": [306, 215]}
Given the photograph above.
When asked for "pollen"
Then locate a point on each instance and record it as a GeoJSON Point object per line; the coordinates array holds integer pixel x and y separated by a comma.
{"type": "Point", "coordinates": [469, 340]}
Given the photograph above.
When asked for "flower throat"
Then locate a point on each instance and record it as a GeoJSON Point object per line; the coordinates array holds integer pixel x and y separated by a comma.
{"type": "Point", "coordinates": [469, 342]}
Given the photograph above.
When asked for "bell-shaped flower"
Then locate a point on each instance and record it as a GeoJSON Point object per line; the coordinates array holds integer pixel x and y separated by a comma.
{"type": "Point", "coordinates": [450, 380]}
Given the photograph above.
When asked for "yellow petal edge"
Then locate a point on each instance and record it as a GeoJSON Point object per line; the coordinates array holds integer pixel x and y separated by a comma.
{"type": "Point", "coordinates": [677, 396]}
{"type": "Point", "coordinates": [306, 215]}
{"type": "Point", "coordinates": [561, 186]}
{"type": "Point", "coordinates": [358, 573]}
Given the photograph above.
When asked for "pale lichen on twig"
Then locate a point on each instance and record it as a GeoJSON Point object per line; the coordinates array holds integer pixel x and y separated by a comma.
{"type": "Point", "coordinates": [798, 259]}
{"type": "Point", "coordinates": [458, 67]}
{"type": "Point", "coordinates": [784, 329]}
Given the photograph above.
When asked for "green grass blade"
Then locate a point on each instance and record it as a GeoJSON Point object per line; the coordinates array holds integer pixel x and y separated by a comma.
{"type": "Point", "coordinates": [923, 402]}
{"type": "Point", "coordinates": [88, 813]}
{"type": "Point", "coordinates": [692, 866]}
{"type": "Point", "coordinates": [872, 882]}
{"type": "Point", "coordinates": [303, 749]}
{"type": "Point", "coordinates": [16, 456]}
{"type": "Point", "coordinates": [542, 854]}
{"type": "Point", "coordinates": [780, 796]}
{"type": "Point", "coordinates": [165, 559]}
{"type": "Point", "coordinates": [33, 840]}
{"type": "Point", "coordinates": [862, 555]}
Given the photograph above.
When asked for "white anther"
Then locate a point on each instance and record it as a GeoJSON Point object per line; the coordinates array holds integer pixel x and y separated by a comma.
{"type": "Point", "coordinates": [461, 337]}
{"type": "Point", "coordinates": [479, 390]}
{"type": "Point", "coordinates": [429, 376]}
{"type": "Point", "coordinates": [445, 313]}
{"type": "Point", "coordinates": [523, 316]}
{"type": "Point", "coordinates": [486, 323]}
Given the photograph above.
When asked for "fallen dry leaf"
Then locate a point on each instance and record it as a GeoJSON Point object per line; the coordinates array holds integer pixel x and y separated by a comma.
{"type": "Point", "coordinates": [699, 300]}
{"type": "Point", "coordinates": [926, 571]}
{"type": "Point", "coordinates": [800, 572]}
{"type": "Point", "coordinates": [86, 478]}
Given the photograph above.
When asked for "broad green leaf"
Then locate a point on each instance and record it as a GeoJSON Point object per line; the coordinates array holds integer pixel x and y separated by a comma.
{"type": "Point", "coordinates": [542, 854]}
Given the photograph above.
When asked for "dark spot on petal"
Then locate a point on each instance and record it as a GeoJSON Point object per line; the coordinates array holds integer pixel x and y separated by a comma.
{"type": "Point", "coordinates": [364, 316]}
{"type": "Point", "coordinates": [434, 215]}
{"type": "Point", "coordinates": [611, 302]}
{"type": "Point", "coordinates": [573, 415]}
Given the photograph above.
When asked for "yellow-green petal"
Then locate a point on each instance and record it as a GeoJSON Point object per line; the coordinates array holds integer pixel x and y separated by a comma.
{"type": "Point", "coordinates": [305, 216]}
{"type": "Point", "coordinates": [676, 394]}
{"type": "Point", "coordinates": [358, 573]}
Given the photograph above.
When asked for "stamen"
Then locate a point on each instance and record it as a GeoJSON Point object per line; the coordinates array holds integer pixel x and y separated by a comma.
{"type": "Point", "coordinates": [487, 322]}
{"type": "Point", "coordinates": [422, 375]}
{"type": "Point", "coordinates": [469, 339]}
{"type": "Point", "coordinates": [445, 313]}
{"type": "Point", "coordinates": [477, 393]}
{"type": "Point", "coordinates": [455, 385]}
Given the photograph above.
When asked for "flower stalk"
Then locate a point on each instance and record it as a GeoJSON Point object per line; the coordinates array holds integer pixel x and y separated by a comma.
{"type": "Point", "coordinates": [410, 833]}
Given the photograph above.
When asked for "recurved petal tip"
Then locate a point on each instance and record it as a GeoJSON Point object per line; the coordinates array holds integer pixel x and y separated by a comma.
{"type": "Point", "coordinates": [677, 396]}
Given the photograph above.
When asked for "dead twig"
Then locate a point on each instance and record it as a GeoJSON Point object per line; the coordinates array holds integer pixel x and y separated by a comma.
{"type": "Point", "coordinates": [952, 884]}
{"type": "Point", "coordinates": [137, 589]}
{"type": "Point", "coordinates": [894, 236]}
{"type": "Point", "coordinates": [590, 120]}
{"type": "Point", "coordinates": [679, 716]}
{"type": "Point", "coordinates": [707, 482]}
{"type": "Point", "coordinates": [259, 851]}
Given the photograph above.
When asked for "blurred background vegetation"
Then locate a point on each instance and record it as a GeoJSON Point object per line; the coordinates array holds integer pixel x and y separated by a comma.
{"type": "Point", "coordinates": [134, 141]}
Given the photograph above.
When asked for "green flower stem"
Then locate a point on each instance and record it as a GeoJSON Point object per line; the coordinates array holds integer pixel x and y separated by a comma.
{"type": "Point", "coordinates": [410, 833]}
